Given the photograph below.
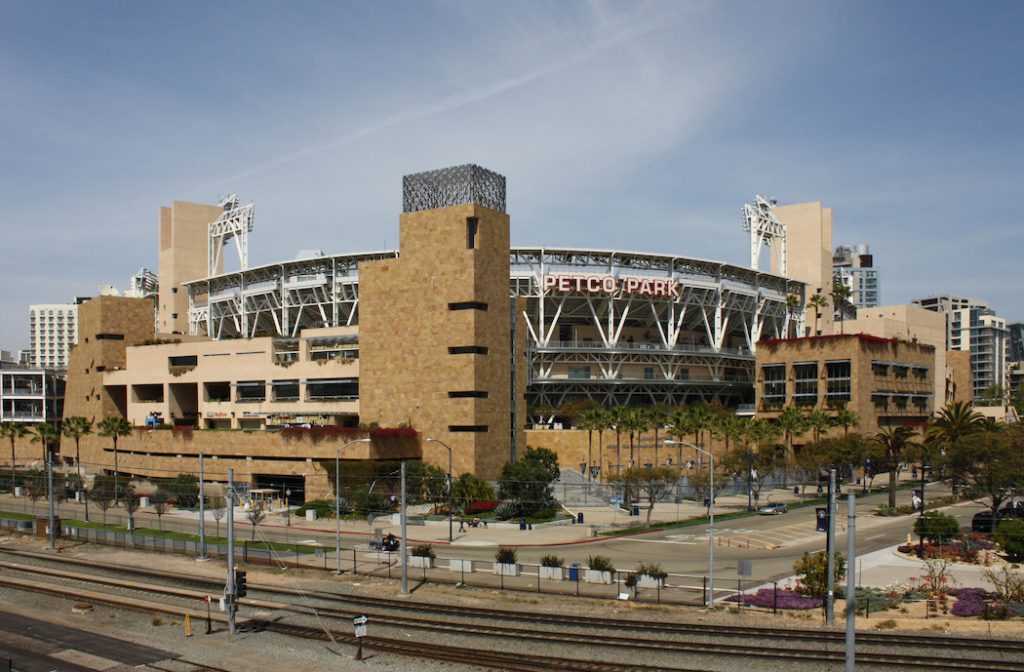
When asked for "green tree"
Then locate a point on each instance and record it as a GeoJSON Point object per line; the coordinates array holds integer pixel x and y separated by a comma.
{"type": "Point", "coordinates": [818, 302]}
{"type": "Point", "coordinates": [812, 573]}
{"type": "Point", "coordinates": [840, 296]}
{"type": "Point", "coordinates": [792, 303]}
{"type": "Point", "coordinates": [12, 431]}
{"type": "Point", "coordinates": [657, 418]}
{"type": "Point", "coordinates": [467, 488]}
{"type": "Point", "coordinates": [955, 421]}
{"type": "Point", "coordinates": [102, 493]}
{"type": "Point", "coordinates": [114, 427]}
{"type": "Point", "coordinates": [894, 446]}
{"type": "Point", "coordinates": [36, 484]}
{"type": "Point", "coordinates": [1010, 537]}
{"type": "Point", "coordinates": [679, 427]}
{"type": "Point", "coordinates": [528, 480]}
{"type": "Point", "coordinates": [45, 435]}
{"type": "Point", "coordinates": [75, 428]}
{"type": "Point", "coordinates": [619, 417]}
{"type": "Point", "coordinates": [846, 418]}
{"type": "Point", "coordinates": [793, 423]}
{"type": "Point", "coordinates": [937, 527]}
{"type": "Point", "coordinates": [992, 464]}
{"type": "Point", "coordinates": [818, 421]}
{"type": "Point", "coordinates": [184, 489]}
{"type": "Point", "coordinates": [161, 503]}
{"type": "Point", "coordinates": [590, 420]}
{"type": "Point", "coordinates": [648, 484]}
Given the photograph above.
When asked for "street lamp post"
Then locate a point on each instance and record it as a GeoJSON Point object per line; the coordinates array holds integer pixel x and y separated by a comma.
{"type": "Point", "coordinates": [337, 502]}
{"type": "Point", "coordinates": [711, 520]}
{"type": "Point", "coordinates": [449, 448]}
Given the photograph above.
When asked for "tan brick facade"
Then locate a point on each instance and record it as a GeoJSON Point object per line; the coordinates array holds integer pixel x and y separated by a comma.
{"type": "Point", "coordinates": [435, 334]}
{"type": "Point", "coordinates": [889, 381]}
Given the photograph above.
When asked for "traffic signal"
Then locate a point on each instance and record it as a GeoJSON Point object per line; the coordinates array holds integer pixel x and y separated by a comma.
{"type": "Point", "coordinates": [240, 587]}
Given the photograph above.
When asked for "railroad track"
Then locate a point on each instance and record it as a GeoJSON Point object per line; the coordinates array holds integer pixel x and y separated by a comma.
{"type": "Point", "coordinates": [609, 626]}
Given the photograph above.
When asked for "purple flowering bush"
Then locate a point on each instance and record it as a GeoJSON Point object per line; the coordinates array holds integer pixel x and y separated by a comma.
{"type": "Point", "coordinates": [971, 602]}
{"type": "Point", "coordinates": [783, 599]}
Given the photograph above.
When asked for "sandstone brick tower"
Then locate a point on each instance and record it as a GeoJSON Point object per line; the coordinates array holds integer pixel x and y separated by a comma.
{"type": "Point", "coordinates": [435, 325]}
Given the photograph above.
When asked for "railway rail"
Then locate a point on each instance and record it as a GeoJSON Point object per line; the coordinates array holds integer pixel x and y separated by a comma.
{"type": "Point", "coordinates": [657, 638]}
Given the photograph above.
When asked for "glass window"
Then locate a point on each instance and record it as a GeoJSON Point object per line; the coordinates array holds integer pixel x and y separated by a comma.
{"type": "Point", "coordinates": [773, 384]}
{"type": "Point", "coordinates": [805, 376]}
{"type": "Point", "coordinates": [838, 380]}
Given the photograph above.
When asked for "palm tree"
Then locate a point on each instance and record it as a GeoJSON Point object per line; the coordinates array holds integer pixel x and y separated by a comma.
{"type": "Point", "coordinates": [634, 424]}
{"type": "Point", "coordinates": [679, 426]}
{"type": "Point", "coordinates": [895, 442]}
{"type": "Point", "coordinates": [793, 423]}
{"type": "Point", "coordinates": [12, 431]}
{"type": "Point", "coordinates": [818, 302]}
{"type": "Point", "coordinates": [46, 435]}
{"type": "Point", "coordinates": [846, 418]}
{"type": "Point", "coordinates": [589, 420]}
{"type": "Point", "coordinates": [818, 420]}
{"type": "Point", "coordinates": [955, 421]}
{"type": "Point", "coordinates": [602, 424]}
{"type": "Point", "coordinates": [657, 417]}
{"type": "Point", "coordinates": [113, 427]}
{"type": "Point", "coordinates": [619, 417]}
{"type": "Point", "coordinates": [792, 303]}
{"type": "Point", "coordinates": [75, 428]}
{"type": "Point", "coordinates": [840, 295]}
{"type": "Point", "coordinates": [701, 420]}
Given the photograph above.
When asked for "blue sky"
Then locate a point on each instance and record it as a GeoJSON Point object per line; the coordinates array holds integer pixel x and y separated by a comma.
{"type": "Point", "coordinates": [641, 126]}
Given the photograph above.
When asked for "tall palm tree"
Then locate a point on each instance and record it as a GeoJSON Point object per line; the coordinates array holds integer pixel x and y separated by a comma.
{"type": "Point", "coordinates": [602, 424]}
{"type": "Point", "coordinates": [955, 421]}
{"type": "Point", "coordinates": [634, 424]}
{"type": "Point", "coordinates": [792, 303]}
{"type": "Point", "coordinates": [818, 302]}
{"type": "Point", "coordinates": [840, 295]}
{"type": "Point", "coordinates": [46, 435]}
{"type": "Point", "coordinates": [793, 423]}
{"type": "Point", "coordinates": [679, 426]}
{"type": "Point", "coordinates": [657, 417]}
{"type": "Point", "coordinates": [846, 418]}
{"type": "Point", "coordinates": [589, 420]}
{"type": "Point", "coordinates": [75, 428]}
{"type": "Point", "coordinates": [818, 420]}
{"type": "Point", "coordinates": [113, 427]}
{"type": "Point", "coordinates": [12, 431]}
{"type": "Point", "coordinates": [619, 417]}
{"type": "Point", "coordinates": [895, 443]}
{"type": "Point", "coordinates": [701, 421]}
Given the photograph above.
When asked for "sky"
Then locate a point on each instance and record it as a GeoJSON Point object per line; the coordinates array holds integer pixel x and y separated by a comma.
{"type": "Point", "coordinates": [638, 126]}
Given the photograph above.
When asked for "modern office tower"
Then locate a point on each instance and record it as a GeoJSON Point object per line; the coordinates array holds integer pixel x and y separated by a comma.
{"type": "Point", "coordinates": [1016, 341]}
{"type": "Point", "coordinates": [854, 267]}
{"type": "Point", "coordinates": [53, 329]}
{"type": "Point", "coordinates": [972, 326]}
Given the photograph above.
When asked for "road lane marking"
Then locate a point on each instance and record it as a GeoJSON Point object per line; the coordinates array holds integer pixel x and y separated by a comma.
{"type": "Point", "coordinates": [877, 536]}
{"type": "Point", "coordinates": [664, 541]}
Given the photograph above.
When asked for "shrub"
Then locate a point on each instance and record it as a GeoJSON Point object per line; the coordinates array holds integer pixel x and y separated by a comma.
{"type": "Point", "coordinates": [652, 570]}
{"type": "Point", "coordinates": [813, 573]}
{"type": "Point", "coordinates": [937, 527]}
{"type": "Point", "coordinates": [970, 601]}
{"type": "Point", "coordinates": [631, 580]}
{"type": "Point", "coordinates": [423, 551]}
{"type": "Point", "coordinates": [600, 563]}
{"type": "Point", "coordinates": [542, 515]}
{"type": "Point", "coordinates": [506, 510]}
{"type": "Point", "coordinates": [506, 555]}
{"type": "Point", "coordinates": [1009, 584]}
{"type": "Point", "coordinates": [1010, 536]}
{"type": "Point", "coordinates": [783, 599]}
{"type": "Point", "coordinates": [480, 507]}
{"type": "Point", "coordinates": [551, 561]}
{"type": "Point", "coordinates": [324, 507]}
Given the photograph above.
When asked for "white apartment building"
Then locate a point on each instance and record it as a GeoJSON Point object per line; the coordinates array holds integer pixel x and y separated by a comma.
{"type": "Point", "coordinates": [855, 268]}
{"type": "Point", "coordinates": [30, 395]}
{"type": "Point", "coordinates": [972, 326]}
{"type": "Point", "coordinates": [53, 329]}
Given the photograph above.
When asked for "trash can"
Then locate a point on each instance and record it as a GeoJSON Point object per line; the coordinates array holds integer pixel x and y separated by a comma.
{"type": "Point", "coordinates": [522, 523]}
{"type": "Point", "coordinates": [636, 511]}
{"type": "Point", "coordinates": [574, 571]}
{"type": "Point", "coordinates": [579, 518]}
{"type": "Point", "coordinates": [796, 489]}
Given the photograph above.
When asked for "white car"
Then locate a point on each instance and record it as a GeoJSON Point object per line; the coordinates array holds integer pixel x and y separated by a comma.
{"type": "Point", "coordinates": [773, 509]}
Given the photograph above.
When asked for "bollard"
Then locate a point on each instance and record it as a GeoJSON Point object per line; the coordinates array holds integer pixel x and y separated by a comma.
{"type": "Point", "coordinates": [188, 626]}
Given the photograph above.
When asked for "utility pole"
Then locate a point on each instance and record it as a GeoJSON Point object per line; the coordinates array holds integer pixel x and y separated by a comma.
{"type": "Point", "coordinates": [405, 542]}
{"type": "Point", "coordinates": [830, 597]}
{"type": "Point", "coordinates": [229, 588]}
{"type": "Point", "coordinates": [53, 520]}
{"type": "Point", "coordinates": [851, 588]}
{"type": "Point", "coordinates": [202, 514]}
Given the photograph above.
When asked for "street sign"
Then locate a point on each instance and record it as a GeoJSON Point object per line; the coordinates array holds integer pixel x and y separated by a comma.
{"type": "Point", "coordinates": [745, 568]}
{"type": "Point", "coordinates": [360, 624]}
{"type": "Point", "coordinates": [616, 500]}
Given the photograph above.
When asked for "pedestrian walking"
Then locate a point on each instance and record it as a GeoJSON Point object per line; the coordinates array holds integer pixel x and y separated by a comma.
{"type": "Point", "coordinates": [462, 524]}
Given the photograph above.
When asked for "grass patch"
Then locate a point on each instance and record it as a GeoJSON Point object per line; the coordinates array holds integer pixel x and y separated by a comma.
{"type": "Point", "coordinates": [12, 515]}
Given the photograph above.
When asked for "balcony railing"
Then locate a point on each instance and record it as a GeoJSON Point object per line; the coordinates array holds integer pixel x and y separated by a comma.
{"type": "Point", "coordinates": [647, 347]}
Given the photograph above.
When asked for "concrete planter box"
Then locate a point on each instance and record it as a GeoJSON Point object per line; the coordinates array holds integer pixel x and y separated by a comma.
{"type": "Point", "coordinates": [503, 569]}
{"type": "Point", "coordinates": [552, 573]}
{"type": "Point", "coordinates": [423, 561]}
{"type": "Point", "coordinates": [644, 581]}
{"type": "Point", "coordinates": [310, 514]}
{"type": "Point", "coordinates": [597, 576]}
{"type": "Point", "coordinates": [460, 566]}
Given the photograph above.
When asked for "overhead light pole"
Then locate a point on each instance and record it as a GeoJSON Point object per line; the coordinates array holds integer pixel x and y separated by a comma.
{"type": "Point", "coordinates": [449, 448]}
{"type": "Point", "coordinates": [337, 501]}
{"type": "Point", "coordinates": [711, 519]}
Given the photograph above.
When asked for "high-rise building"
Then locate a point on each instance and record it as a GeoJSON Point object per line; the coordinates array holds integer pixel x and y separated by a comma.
{"type": "Point", "coordinates": [972, 326]}
{"type": "Point", "coordinates": [1016, 341]}
{"type": "Point", "coordinates": [53, 329]}
{"type": "Point", "coordinates": [854, 267]}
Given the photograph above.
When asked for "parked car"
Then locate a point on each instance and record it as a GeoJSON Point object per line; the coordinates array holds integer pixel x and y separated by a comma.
{"type": "Point", "coordinates": [983, 522]}
{"type": "Point", "coordinates": [773, 509]}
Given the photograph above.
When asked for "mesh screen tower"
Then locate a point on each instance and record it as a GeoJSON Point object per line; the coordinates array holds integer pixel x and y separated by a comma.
{"type": "Point", "coordinates": [458, 185]}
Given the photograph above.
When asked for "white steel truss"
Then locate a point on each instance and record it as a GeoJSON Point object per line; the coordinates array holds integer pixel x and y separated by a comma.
{"type": "Point", "coordinates": [235, 223]}
{"type": "Point", "coordinates": [765, 229]}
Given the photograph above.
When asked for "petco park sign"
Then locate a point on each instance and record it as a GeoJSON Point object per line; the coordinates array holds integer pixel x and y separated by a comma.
{"type": "Point", "coordinates": [607, 284]}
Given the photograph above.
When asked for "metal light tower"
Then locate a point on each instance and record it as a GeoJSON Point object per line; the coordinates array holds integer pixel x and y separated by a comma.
{"type": "Point", "coordinates": [765, 229]}
{"type": "Point", "coordinates": [234, 224]}
{"type": "Point", "coordinates": [711, 519]}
